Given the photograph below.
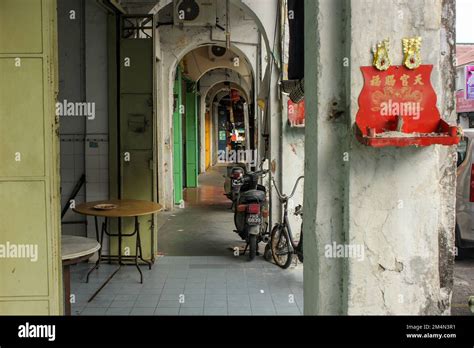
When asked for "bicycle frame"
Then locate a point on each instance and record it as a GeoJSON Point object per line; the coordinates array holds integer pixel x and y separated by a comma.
{"type": "Point", "coordinates": [285, 221]}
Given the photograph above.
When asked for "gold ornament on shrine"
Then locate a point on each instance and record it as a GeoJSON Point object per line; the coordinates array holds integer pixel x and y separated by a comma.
{"type": "Point", "coordinates": [381, 55]}
{"type": "Point", "coordinates": [412, 51]}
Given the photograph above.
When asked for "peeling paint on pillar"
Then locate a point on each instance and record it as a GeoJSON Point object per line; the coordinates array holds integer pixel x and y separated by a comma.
{"type": "Point", "coordinates": [401, 201]}
{"type": "Point", "coordinates": [398, 203]}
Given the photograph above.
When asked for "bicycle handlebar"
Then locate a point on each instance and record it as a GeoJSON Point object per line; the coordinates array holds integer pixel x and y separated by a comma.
{"type": "Point", "coordinates": [285, 197]}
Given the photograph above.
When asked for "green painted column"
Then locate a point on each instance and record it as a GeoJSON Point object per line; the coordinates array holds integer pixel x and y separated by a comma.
{"type": "Point", "coordinates": [178, 139]}
{"type": "Point", "coordinates": [192, 158]}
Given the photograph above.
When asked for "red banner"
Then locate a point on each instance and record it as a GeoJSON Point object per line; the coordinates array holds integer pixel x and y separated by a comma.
{"type": "Point", "coordinates": [296, 114]}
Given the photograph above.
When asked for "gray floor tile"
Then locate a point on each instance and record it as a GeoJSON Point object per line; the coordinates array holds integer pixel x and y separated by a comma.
{"type": "Point", "coordinates": [151, 291]}
{"type": "Point", "coordinates": [215, 310]}
{"type": "Point", "coordinates": [193, 286]}
{"type": "Point", "coordinates": [191, 311]}
{"type": "Point", "coordinates": [170, 297]}
{"type": "Point", "coordinates": [94, 311]}
{"type": "Point", "coordinates": [146, 303]}
{"type": "Point", "coordinates": [194, 296]}
{"type": "Point", "coordinates": [148, 297]}
{"type": "Point", "coordinates": [267, 310]}
{"type": "Point", "coordinates": [215, 297]}
{"type": "Point", "coordinates": [143, 311]}
{"type": "Point", "coordinates": [261, 302]}
{"type": "Point", "coordinates": [192, 304]}
{"type": "Point", "coordinates": [216, 291]}
{"type": "Point", "coordinates": [128, 297]}
{"type": "Point", "coordinates": [129, 291]}
{"type": "Point", "coordinates": [118, 311]}
{"type": "Point", "coordinates": [100, 303]}
{"type": "Point", "coordinates": [215, 303]}
{"type": "Point", "coordinates": [167, 311]}
{"type": "Point", "coordinates": [194, 291]}
{"type": "Point", "coordinates": [121, 304]}
{"type": "Point", "coordinates": [173, 289]}
{"type": "Point", "coordinates": [211, 285]}
{"type": "Point", "coordinates": [171, 282]}
{"type": "Point", "coordinates": [169, 304]}
{"type": "Point", "coordinates": [288, 311]}
{"type": "Point", "coordinates": [237, 291]}
{"type": "Point", "coordinates": [239, 311]}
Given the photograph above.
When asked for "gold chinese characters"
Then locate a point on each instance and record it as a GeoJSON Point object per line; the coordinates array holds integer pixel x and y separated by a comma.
{"type": "Point", "coordinates": [390, 81]}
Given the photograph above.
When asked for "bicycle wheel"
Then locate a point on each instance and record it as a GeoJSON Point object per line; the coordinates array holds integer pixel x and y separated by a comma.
{"type": "Point", "coordinates": [280, 244]}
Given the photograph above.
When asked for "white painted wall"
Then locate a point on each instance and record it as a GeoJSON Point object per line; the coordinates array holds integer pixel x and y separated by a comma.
{"type": "Point", "coordinates": [175, 44]}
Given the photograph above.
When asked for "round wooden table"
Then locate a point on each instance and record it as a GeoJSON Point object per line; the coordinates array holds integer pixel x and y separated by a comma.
{"type": "Point", "coordinates": [74, 250]}
{"type": "Point", "coordinates": [124, 208]}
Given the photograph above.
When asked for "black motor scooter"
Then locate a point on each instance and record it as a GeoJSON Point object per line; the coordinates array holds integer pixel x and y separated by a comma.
{"type": "Point", "coordinates": [234, 172]}
{"type": "Point", "coordinates": [251, 211]}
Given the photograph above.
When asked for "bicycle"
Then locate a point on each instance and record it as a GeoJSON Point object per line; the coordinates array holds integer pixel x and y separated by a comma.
{"type": "Point", "coordinates": [282, 244]}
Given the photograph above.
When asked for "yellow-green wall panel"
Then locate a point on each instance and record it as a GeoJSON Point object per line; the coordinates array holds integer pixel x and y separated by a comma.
{"type": "Point", "coordinates": [24, 307]}
{"type": "Point", "coordinates": [23, 223]}
{"type": "Point", "coordinates": [29, 192]}
{"type": "Point", "coordinates": [20, 26]}
{"type": "Point", "coordinates": [21, 117]}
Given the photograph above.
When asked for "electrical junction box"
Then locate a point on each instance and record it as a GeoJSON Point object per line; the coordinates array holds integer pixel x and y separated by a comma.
{"type": "Point", "coordinates": [198, 13]}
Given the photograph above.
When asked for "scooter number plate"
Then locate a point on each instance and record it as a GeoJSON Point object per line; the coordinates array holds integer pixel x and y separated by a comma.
{"type": "Point", "coordinates": [254, 219]}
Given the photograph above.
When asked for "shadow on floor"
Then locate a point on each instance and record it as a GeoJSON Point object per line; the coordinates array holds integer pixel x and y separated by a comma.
{"type": "Point", "coordinates": [205, 226]}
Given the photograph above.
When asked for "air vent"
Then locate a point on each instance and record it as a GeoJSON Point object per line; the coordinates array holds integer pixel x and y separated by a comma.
{"type": "Point", "coordinates": [195, 12]}
{"type": "Point", "coordinates": [217, 52]}
{"type": "Point", "coordinates": [188, 10]}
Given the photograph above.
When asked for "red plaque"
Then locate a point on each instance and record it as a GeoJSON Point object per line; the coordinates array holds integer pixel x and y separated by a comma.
{"type": "Point", "coordinates": [397, 107]}
{"type": "Point", "coordinates": [296, 113]}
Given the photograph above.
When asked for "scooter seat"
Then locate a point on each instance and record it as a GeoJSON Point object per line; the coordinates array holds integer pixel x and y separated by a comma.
{"type": "Point", "coordinates": [252, 196]}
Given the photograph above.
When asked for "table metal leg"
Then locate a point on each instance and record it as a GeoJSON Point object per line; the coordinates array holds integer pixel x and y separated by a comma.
{"type": "Point", "coordinates": [101, 241]}
{"type": "Point", "coordinates": [104, 230]}
{"type": "Point", "coordinates": [138, 247]}
{"type": "Point", "coordinates": [120, 245]}
{"type": "Point", "coordinates": [67, 289]}
{"type": "Point", "coordinates": [138, 252]}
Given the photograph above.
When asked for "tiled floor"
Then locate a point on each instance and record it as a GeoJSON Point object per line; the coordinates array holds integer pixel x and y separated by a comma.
{"type": "Point", "coordinates": [220, 284]}
{"type": "Point", "coordinates": [214, 285]}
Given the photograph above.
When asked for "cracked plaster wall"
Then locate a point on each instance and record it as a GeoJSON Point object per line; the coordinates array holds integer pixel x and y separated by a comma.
{"type": "Point", "coordinates": [398, 203]}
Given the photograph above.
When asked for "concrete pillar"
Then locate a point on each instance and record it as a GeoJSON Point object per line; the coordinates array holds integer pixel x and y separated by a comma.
{"type": "Point", "coordinates": [324, 167]}
{"type": "Point", "coordinates": [395, 204]}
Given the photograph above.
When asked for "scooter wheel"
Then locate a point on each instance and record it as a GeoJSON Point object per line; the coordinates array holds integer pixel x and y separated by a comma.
{"type": "Point", "coordinates": [252, 247]}
{"type": "Point", "coordinates": [268, 253]}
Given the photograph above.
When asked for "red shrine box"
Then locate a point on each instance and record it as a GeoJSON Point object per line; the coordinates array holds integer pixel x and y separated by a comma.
{"type": "Point", "coordinates": [397, 107]}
